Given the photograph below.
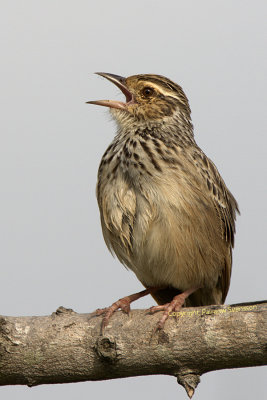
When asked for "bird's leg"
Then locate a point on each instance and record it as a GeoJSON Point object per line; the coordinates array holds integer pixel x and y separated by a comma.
{"type": "Point", "coordinates": [175, 305]}
{"type": "Point", "coordinates": [123, 304]}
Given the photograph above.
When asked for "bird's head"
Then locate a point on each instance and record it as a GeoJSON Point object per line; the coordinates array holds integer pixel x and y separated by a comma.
{"type": "Point", "coordinates": [148, 99]}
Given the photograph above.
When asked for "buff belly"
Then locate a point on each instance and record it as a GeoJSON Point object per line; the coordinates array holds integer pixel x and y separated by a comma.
{"type": "Point", "coordinates": [166, 241]}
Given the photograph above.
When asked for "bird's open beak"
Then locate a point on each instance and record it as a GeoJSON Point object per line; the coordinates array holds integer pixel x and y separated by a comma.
{"type": "Point", "coordinates": [121, 83]}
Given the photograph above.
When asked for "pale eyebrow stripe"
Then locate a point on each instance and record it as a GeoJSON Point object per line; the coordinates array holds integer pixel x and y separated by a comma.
{"type": "Point", "coordinates": [162, 91]}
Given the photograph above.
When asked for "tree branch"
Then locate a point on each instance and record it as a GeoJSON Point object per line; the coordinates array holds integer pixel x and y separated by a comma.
{"type": "Point", "coordinates": [67, 347]}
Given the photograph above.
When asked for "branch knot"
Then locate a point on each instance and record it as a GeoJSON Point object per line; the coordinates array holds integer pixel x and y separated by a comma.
{"type": "Point", "coordinates": [106, 348]}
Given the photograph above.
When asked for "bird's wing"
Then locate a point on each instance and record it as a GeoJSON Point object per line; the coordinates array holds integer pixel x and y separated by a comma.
{"type": "Point", "coordinates": [226, 207]}
{"type": "Point", "coordinates": [223, 199]}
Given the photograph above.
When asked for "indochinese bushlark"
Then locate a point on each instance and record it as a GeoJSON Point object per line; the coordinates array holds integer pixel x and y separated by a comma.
{"type": "Point", "coordinates": [165, 210]}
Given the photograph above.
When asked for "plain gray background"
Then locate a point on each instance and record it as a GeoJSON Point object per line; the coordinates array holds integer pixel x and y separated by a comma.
{"type": "Point", "coordinates": [52, 251]}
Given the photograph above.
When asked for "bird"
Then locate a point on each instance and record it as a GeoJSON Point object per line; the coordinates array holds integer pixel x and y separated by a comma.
{"type": "Point", "coordinates": [165, 210]}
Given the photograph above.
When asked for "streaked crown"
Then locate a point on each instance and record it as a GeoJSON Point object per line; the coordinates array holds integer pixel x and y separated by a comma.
{"type": "Point", "coordinates": [156, 96]}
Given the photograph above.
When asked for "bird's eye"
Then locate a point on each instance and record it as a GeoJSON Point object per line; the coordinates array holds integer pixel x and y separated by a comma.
{"type": "Point", "coordinates": [147, 91]}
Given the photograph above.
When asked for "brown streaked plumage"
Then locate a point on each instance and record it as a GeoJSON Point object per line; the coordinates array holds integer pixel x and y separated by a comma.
{"type": "Point", "coordinates": [165, 210]}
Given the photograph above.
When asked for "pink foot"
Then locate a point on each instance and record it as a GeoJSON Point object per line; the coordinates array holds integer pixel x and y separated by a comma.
{"type": "Point", "coordinates": [175, 305]}
{"type": "Point", "coordinates": [123, 304]}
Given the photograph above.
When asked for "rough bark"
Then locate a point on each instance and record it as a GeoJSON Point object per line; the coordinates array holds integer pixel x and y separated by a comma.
{"type": "Point", "coordinates": [67, 347]}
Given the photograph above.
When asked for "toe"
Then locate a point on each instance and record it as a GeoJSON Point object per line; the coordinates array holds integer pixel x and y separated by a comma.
{"type": "Point", "coordinates": [158, 308]}
{"type": "Point", "coordinates": [124, 305]}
